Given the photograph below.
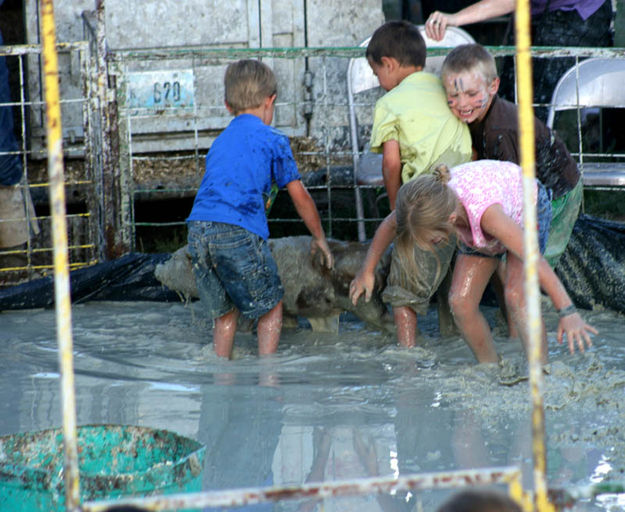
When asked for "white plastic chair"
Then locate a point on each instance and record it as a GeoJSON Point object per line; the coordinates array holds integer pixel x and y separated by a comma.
{"type": "Point", "coordinates": [360, 78]}
{"type": "Point", "coordinates": [595, 82]}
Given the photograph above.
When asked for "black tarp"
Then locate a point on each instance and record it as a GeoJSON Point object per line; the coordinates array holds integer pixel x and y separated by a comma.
{"type": "Point", "coordinates": [592, 269]}
{"type": "Point", "coordinates": [593, 266]}
{"type": "Point", "coordinates": [130, 277]}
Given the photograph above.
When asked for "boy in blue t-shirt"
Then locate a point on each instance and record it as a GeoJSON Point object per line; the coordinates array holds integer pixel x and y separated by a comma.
{"type": "Point", "coordinates": [233, 266]}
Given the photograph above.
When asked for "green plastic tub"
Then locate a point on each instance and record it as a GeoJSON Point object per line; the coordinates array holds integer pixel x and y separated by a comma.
{"type": "Point", "coordinates": [114, 461]}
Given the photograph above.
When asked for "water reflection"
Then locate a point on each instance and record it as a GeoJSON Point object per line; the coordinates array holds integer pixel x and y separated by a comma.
{"type": "Point", "coordinates": [324, 407]}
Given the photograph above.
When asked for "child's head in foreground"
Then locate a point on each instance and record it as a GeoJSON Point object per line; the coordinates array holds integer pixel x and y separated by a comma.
{"type": "Point", "coordinates": [469, 75]}
{"type": "Point", "coordinates": [248, 84]}
{"type": "Point", "coordinates": [480, 501]}
{"type": "Point", "coordinates": [400, 41]}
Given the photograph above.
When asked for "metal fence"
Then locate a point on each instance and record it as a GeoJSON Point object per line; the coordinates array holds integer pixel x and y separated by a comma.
{"type": "Point", "coordinates": [171, 108]}
{"type": "Point", "coordinates": [149, 117]}
{"type": "Point", "coordinates": [313, 108]}
{"type": "Point", "coordinates": [25, 241]}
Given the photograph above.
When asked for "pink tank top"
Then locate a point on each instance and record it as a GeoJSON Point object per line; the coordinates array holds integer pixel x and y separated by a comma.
{"type": "Point", "coordinates": [481, 184]}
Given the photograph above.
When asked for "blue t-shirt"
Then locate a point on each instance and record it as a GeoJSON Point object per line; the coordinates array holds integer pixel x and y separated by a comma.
{"type": "Point", "coordinates": [241, 165]}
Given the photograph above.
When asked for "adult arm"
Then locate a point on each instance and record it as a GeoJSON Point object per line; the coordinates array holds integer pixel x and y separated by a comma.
{"type": "Point", "coordinates": [498, 225]}
{"type": "Point", "coordinates": [307, 210]}
{"type": "Point", "coordinates": [391, 170]}
{"type": "Point", "coordinates": [437, 22]}
{"type": "Point", "coordinates": [365, 278]}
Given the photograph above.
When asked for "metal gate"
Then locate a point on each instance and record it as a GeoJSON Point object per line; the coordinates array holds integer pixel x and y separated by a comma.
{"type": "Point", "coordinates": [26, 252]}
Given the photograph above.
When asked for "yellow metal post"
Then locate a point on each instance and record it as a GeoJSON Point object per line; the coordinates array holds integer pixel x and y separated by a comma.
{"type": "Point", "coordinates": [526, 125]}
{"type": "Point", "coordinates": [61, 266]}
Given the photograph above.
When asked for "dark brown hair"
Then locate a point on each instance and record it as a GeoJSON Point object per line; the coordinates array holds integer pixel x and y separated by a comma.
{"type": "Point", "coordinates": [400, 40]}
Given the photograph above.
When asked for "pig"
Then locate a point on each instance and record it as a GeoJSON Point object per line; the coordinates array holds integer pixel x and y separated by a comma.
{"type": "Point", "coordinates": [310, 290]}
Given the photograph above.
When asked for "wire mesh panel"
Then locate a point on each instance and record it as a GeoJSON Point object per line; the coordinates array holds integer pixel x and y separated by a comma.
{"type": "Point", "coordinates": [165, 134]}
{"type": "Point", "coordinates": [25, 231]}
{"type": "Point", "coordinates": [171, 109]}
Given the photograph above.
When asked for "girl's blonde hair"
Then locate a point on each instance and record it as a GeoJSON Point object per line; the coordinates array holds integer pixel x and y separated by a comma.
{"type": "Point", "coordinates": [423, 209]}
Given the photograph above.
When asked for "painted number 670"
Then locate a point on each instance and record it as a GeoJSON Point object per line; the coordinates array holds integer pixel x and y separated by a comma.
{"type": "Point", "coordinates": [166, 92]}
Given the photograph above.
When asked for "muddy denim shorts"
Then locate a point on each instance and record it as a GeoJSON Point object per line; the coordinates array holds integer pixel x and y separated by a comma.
{"type": "Point", "coordinates": [233, 268]}
{"type": "Point", "coordinates": [543, 219]}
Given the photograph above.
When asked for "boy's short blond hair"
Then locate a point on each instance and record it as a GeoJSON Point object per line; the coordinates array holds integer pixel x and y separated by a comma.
{"type": "Point", "coordinates": [470, 57]}
{"type": "Point", "coordinates": [247, 83]}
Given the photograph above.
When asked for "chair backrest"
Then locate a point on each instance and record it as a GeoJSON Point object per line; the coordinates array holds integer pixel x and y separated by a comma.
{"type": "Point", "coordinates": [601, 84]}
{"type": "Point", "coordinates": [361, 78]}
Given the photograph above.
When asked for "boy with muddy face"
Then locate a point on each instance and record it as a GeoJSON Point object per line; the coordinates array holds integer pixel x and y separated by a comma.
{"type": "Point", "coordinates": [227, 228]}
{"type": "Point", "coordinates": [470, 79]}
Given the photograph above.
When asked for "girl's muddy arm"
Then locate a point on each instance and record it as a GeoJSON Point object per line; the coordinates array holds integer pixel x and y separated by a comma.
{"type": "Point", "coordinates": [365, 279]}
{"type": "Point", "coordinates": [497, 224]}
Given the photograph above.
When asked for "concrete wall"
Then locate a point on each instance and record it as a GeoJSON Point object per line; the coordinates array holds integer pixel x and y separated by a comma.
{"type": "Point", "coordinates": [222, 24]}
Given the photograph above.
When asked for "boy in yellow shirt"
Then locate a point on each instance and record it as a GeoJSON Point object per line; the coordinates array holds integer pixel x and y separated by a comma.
{"type": "Point", "coordinates": [413, 127]}
{"type": "Point", "coordinates": [415, 131]}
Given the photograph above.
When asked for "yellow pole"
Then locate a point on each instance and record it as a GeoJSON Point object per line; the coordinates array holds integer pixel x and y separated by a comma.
{"type": "Point", "coordinates": [61, 267]}
{"type": "Point", "coordinates": [526, 125]}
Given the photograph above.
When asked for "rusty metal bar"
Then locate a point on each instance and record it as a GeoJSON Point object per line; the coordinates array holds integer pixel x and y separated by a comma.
{"type": "Point", "coordinates": [530, 250]}
{"type": "Point", "coordinates": [61, 267]}
{"type": "Point", "coordinates": [115, 235]}
{"type": "Point", "coordinates": [91, 160]}
{"type": "Point", "coordinates": [338, 488]}
{"type": "Point", "coordinates": [35, 49]}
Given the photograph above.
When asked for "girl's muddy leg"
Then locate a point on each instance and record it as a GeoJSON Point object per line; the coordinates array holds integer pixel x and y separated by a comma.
{"type": "Point", "coordinates": [517, 305]}
{"type": "Point", "coordinates": [471, 275]}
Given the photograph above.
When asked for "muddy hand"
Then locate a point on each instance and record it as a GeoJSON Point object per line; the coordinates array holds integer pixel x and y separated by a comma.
{"type": "Point", "coordinates": [576, 331]}
{"type": "Point", "coordinates": [321, 244]}
{"type": "Point", "coordinates": [361, 283]}
{"type": "Point", "coordinates": [436, 25]}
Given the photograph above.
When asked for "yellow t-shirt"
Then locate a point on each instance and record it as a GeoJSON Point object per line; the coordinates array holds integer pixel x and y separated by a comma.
{"type": "Point", "coordinates": [416, 114]}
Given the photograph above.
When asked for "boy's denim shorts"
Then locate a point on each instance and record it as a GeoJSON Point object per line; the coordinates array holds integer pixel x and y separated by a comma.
{"type": "Point", "coordinates": [233, 268]}
{"type": "Point", "coordinates": [543, 219]}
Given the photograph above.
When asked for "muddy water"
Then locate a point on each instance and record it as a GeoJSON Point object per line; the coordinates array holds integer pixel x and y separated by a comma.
{"type": "Point", "coordinates": [326, 406]}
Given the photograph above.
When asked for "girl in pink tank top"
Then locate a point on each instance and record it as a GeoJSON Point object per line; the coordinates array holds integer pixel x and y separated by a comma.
{"type": "Point", "coordinates": [481, 202]}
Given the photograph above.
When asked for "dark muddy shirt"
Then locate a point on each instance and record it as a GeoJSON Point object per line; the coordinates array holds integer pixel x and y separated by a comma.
{"type": "Point", "coordinates": [496, 137]}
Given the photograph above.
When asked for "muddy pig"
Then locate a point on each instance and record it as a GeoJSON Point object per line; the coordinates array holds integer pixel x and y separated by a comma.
{"type": "Point", "coordinates": [310, 291]}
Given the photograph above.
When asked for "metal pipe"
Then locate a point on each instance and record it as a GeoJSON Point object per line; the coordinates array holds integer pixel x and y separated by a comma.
{"type": "Point", "coordinates": [337, 488]}
{"type": "Point", "coordinates": [61, 267]}
{"type": "Point", "coordinates": [530, 245]}
{"type": "Point", "coordinates": [353, 134]}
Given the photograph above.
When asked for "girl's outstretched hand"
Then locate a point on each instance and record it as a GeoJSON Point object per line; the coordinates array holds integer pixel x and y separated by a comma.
{"type": "Point", "coordinates": [576, 330]}
{"type": "Point", "coordinates": [363, 282]}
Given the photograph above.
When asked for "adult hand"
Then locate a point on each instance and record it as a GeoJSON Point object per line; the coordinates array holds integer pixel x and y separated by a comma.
{"type": "Point", "coordinates": [321, 245]}
{"type": "Point", "coordinates": [437, 24]}
{"type": "Point", "coordinates": [576, 330]}
{"type": "Point", "coordinates": [362, 283]}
